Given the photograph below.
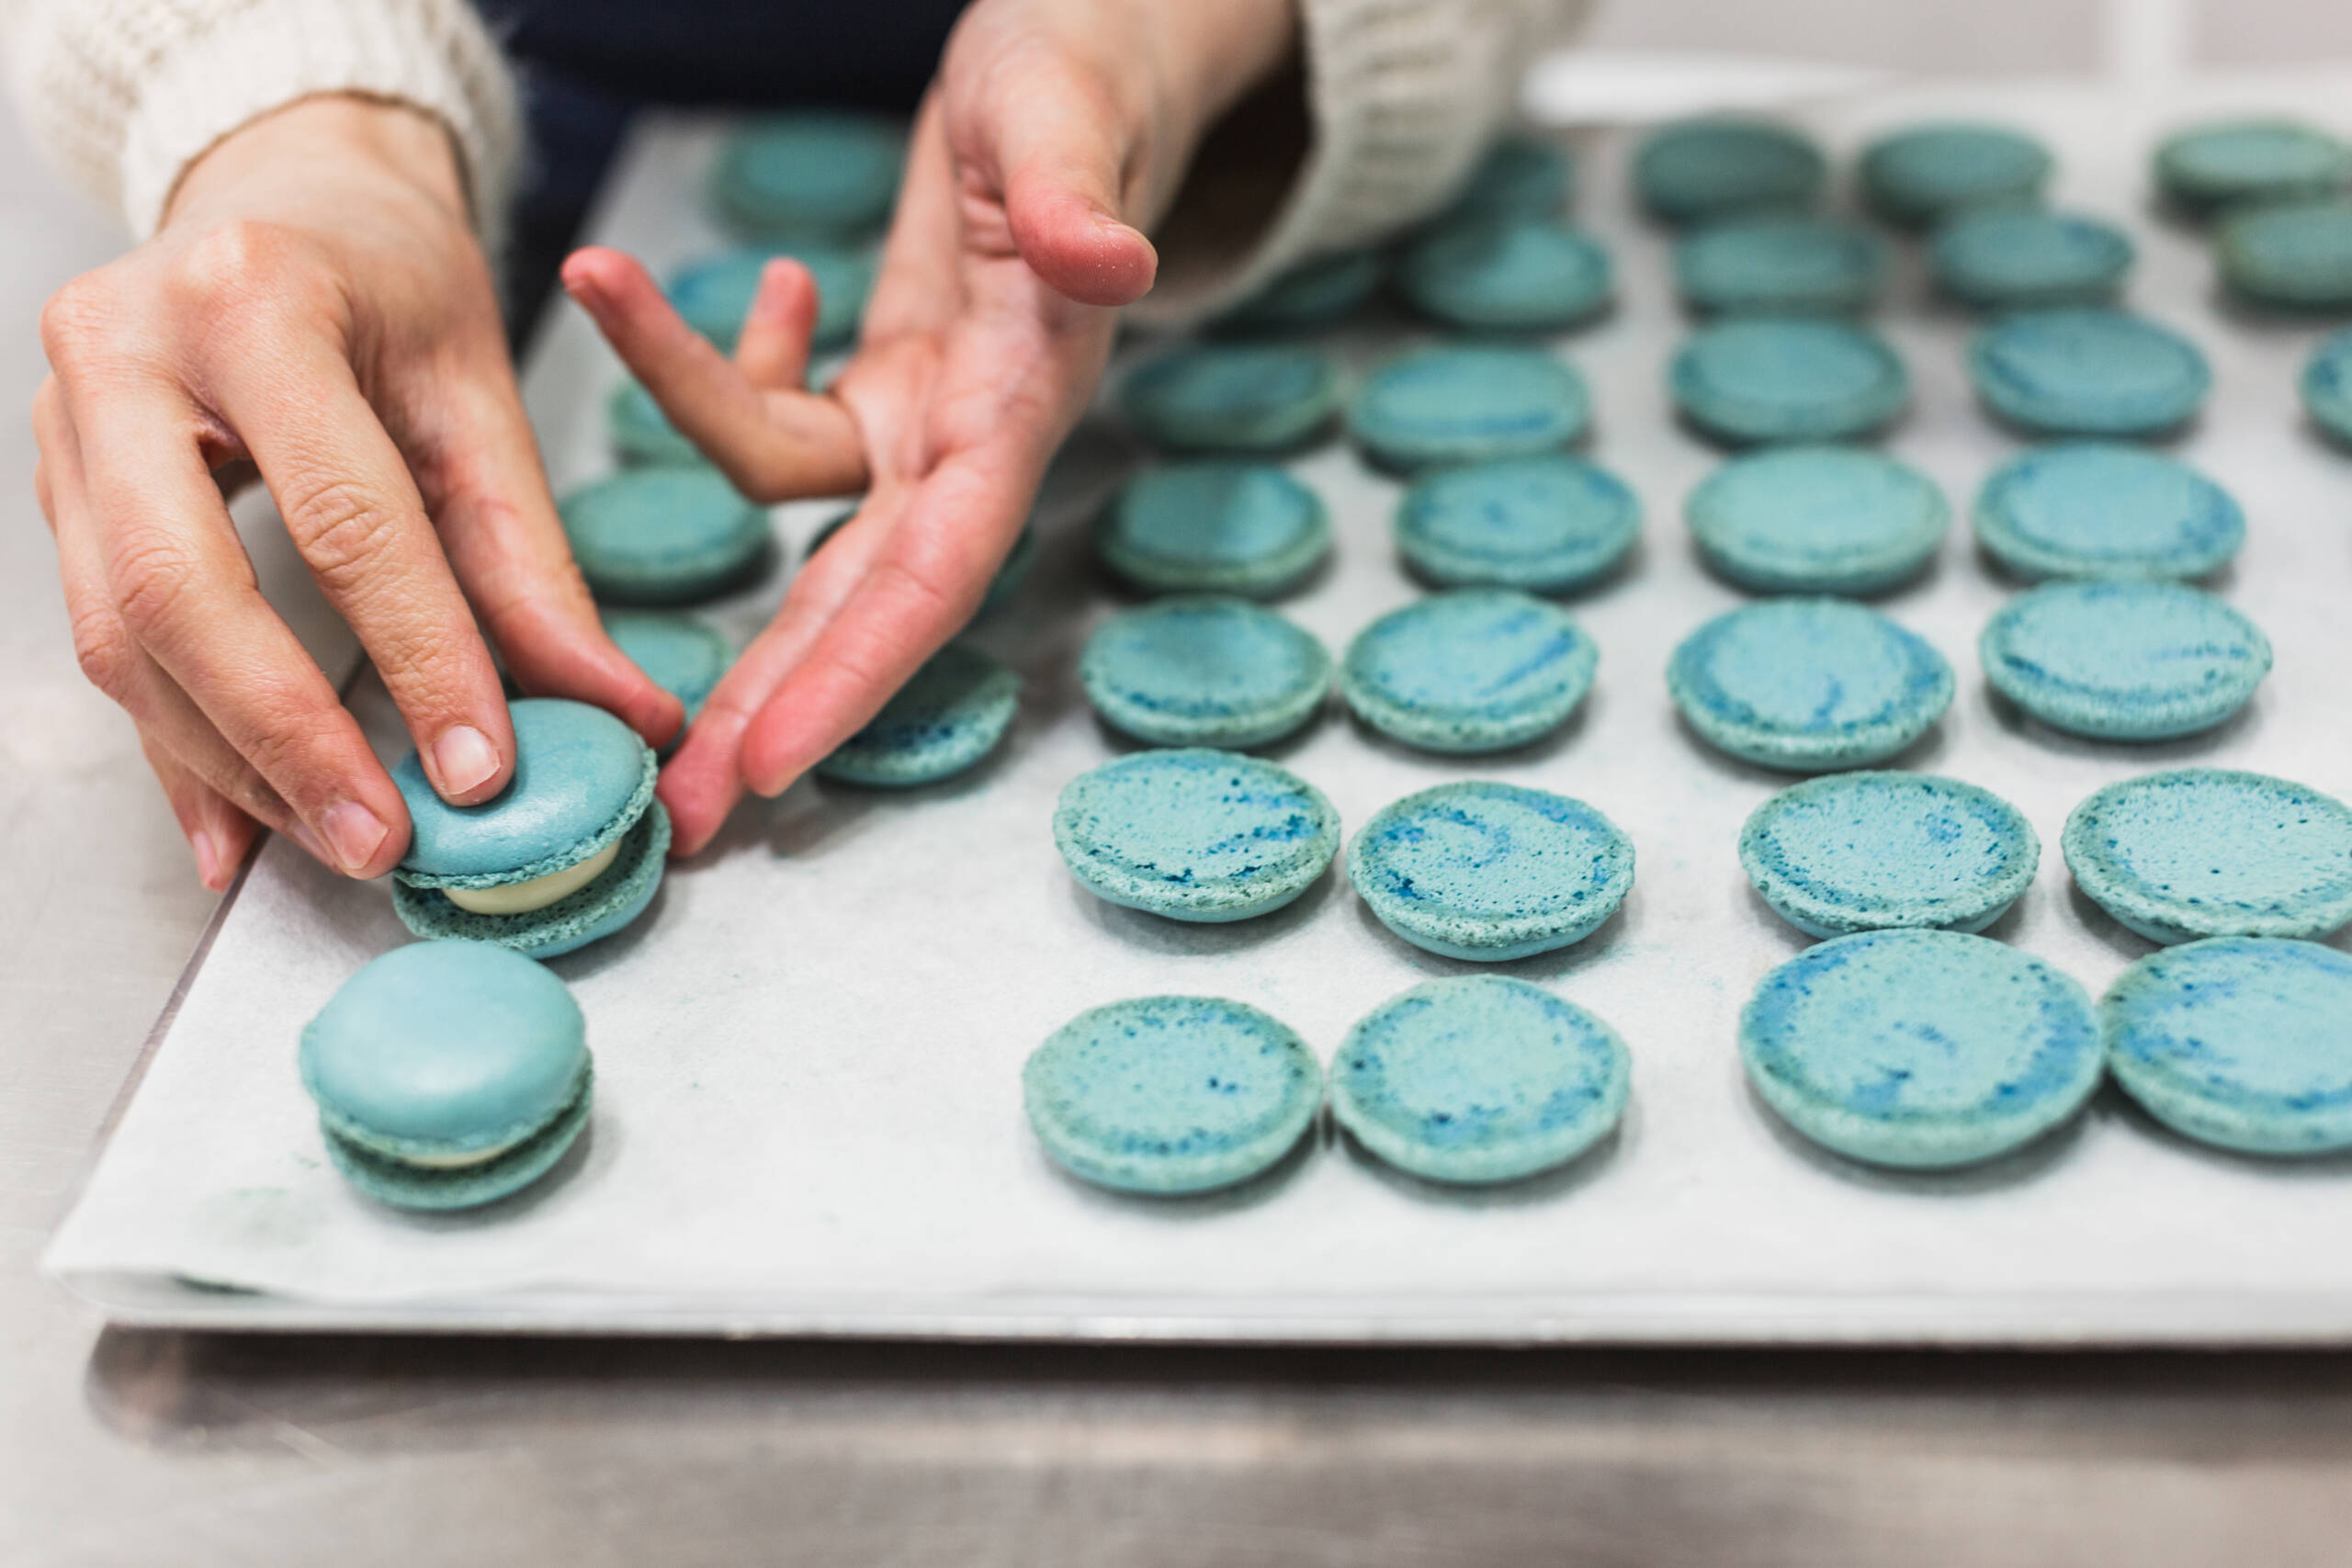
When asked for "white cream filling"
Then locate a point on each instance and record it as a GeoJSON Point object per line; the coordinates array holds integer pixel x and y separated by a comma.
{"type": "Point", "coordinates": [458, 1162]}
{"type": "Point", "coordinates": [522, 898]}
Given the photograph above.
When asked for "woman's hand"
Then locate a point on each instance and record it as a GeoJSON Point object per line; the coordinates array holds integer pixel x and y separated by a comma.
{"type": "Point", "coordinates": [314, 307]}
{"type": "Point", "coordinates": [1056, 131]}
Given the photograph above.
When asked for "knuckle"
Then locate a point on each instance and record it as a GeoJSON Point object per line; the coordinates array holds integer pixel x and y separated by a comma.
{"type": "Point", "coordinates": [80, 314]}
{"type": "Point", "coordinates": [339, 526]}
{"type": "Point", "coordinates": [239, 261]}
{"type": "Point", "coordinates": [152, 572]}
{"type": "Point", "coordinates": [108, 661]}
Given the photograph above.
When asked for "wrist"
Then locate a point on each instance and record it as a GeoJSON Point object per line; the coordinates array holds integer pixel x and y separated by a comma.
{"type": "Point", "coordinates": [329, 134]}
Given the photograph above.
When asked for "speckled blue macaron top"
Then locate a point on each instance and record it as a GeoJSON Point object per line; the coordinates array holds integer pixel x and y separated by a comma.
{"type": "Point", "coordinates": [1474, 670]}
{"type": "Point", "coordinates": [1232, 397]}
{"type": "Point", "coordinates": [1817, 520]}
{"type": "Point", "coordinates": [663, 534]}
{"type": "Point", "coordinates": [683, 656]}
{"type": "Point", "coordinates": [2297, 256]}
{"type": "Point", "coordinates": [1920, 1049]}
{"type": "Point", "coordinates": [1169, 1095]}
{"type": "Point", "coordinates": [949, 715]}
{"type": "Point", "coordinates": [1699, 170]}
{"type": "Point", "coordinates": [2225, 162]}
{"type": "Point", "coordinates": [1768, 378]}
{"type": "Point", "coordinates": [582, 779]}
{"type": "Point", "coordinates": [1213, 526]}
{"type": "Point", "coordinates": [811, 172]}
{"type": "Point", "coordinates": [2239, 1042]}
{"type": "Point", "coordinates": [2124, 661]}
{"type": "Point", "coordinates": [2212, 852]}
{"type": "Point", "coordinates": [1204, 671]}
{"type": "Point", "coordinates": [715, 293]}
{"type": "Point", "coordinates": [1547, 524]}
{"type": "Point", "coordinates": [2099, 509]}
{"type": "Point", "coordinates": [1317, 292]}
{"type": "Point", "coordinates": [1808, 684]}
{"type": "Point", "coordinates": [2084, 371]}
{"type": "Point", "coordinates": [1873, 851]}
{"type": "Point", "coordinates": [2015, 258]}
{"type": "Point", "coordinates": [1502, 272]}
{"type": "Point", "coordinates": [1491, 871]}
{"type": "Point", "coordinates": [1468, 404]}
{"type": "Point", "coordinates": [1917, 175]}
{"type": "Point", "coordinates": [1195, 834]}
{"type": "Point", "coordinates": [641, 433]}
{"type": "Point", "coordinates": [1480, 1078]}
{"type": "Point", "coordinates": [1786, 263]}
{"type": "Point", "coordinates": [2326, 385]}
{"type": "Point", "coordinates": [1532, 179]}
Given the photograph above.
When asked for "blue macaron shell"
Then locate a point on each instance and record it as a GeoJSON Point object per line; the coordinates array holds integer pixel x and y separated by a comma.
{"type": "Point", "coordinates": [641, 433]}
{"type": "Point", "coordinates": [1195, 834]}
{"type": "Point", "coordinates": [827, 173]}
{"type": "Point", "coordinates": [1475, 669]}
{"type": "Point", "coordinates": [2083, 370]}
{"type": "Point", "coordinates": [1202, 670]}
{"type": "Point", "coordinates": [1482, 1078]}
{"type": "Point", "coordinates": [1547, 524]}
{"type": "Point", "coordinates": [1213, 526]}
{"type": "Point", "coordinates": [949, 715]}
{"type": "Point", "coordinates": [1169, 1095]}
{"type": "Point", "coordinates": [683, 656]}
{"type": "Point", "coordinates": [1701, 170]}
{"type": "Point", "coordinates": [1808, 685]}
{"type": "Point", "coordinates": [1919, 175]}
{"type": "Point", "coordinates": [1873, 851]}
{"type": "Point", "coordinates": [1468, 404]}
{"type": "Point", "coordinates": [1316, 293]}
{"type": "Point", "coordinates": [2018, 258]}
{"type": "Point", "coordinates": [1772, 378]}
{"type": "Point", "coordinates": [714, 293]}
{"type": "Point", "coordinates": [2240, 1041]}
{"type": "Point", "coordinates": [1787, 264]}
{"type": "Point", "coordinates": [664, 535]}
{"type": "Point", "coordinates": [1499, 272]}
{"type": "Point", "coordinates": [1519, 177]}
{"type": "Point", "coordinates": [2100, 509]}
{"type": "Point", "coordinates": [1920, 1049]}
{"type": "Point", "coordinates": [2124, 661]}
{"type": "Point", "coordinates": [1232, 397]}
{"type": "Point", "coordinates": [613, 899]}
{"type": "Point", "coordinates": [2294, 255]}
{"type": "Point", "coordinates": [2227, 163]}
{"type": "Point", "coordinates": [1491, 871]}
{"type": "Point", "coordinates": [2326, 386]}
{"type": "Point", "coordinates": [2212, 852]}
{"type": "Point", "coordinates": [1817, 520]}
{"type": "Point", "coordinates": [582, 778]}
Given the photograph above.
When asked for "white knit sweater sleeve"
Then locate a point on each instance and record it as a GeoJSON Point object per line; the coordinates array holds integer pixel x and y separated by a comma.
{"type": "Point", "coordinates": [124, 95]}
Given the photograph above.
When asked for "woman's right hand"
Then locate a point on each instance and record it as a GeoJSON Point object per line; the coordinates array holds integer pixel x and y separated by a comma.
{"type": "Point", "coordinates": [314, 307]}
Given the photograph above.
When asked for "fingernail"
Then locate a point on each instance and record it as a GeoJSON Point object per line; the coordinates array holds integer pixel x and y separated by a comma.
{"type": "Point", "coordinates": [464, 758]}
{"type": "Point", "coordinates": [354, 832]}
{"type": "Point", "coordinates": [208, 859]}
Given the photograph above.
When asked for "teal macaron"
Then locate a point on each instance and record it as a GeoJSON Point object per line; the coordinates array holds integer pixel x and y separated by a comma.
{"type": "Point", "coordinates": [2212, 852]}
{"type": "Point", "coordinates": [1204, 671]}
{"type": "Point", "coordinates": [1920, 1049]}
{"type": "Point", "coordinates": [1699, 171]}
{"type": "Point", "coordinates": [829, 174]}
{"type": "Point", "coordinates": [1197, 835]}
{"type": "Point", "coordinates": [1214, 526]}
{"type": "Point", "coordinates": [2084, 371]}
{"type": "Point", "coordinates": [665, 534]}
{"type": "Point", "coordinates": [2207, 168]}
{"type": "Point", "coordinates": [1233, 397]}
{"type": "Point", "coordinates": [1490, 872]}
{"type": "Point", "coordinates": [1163, 1096]}
{"type": "Point", "coordinates": [1548, 524]}
{"type": "Point", "coordinates": [1761, 380]}
{"type": "Point", "coordinates": [714, 293]}
{"type": "Point", "coordinates": [1786, 265]}
{"type": "Point", "coordinates": [2124, 661]}
{"type": "Point", "coordinates": [1519, 176]}
{"type": "Point", "coordinates": [1918, 176]}
{"type": "Point", "coordinates": [569, 851]}
{"type": "Point", "coordinates": [2325, 386]}
{"type": "Point", "coordinates": [641, 433]}
{"type": "Point", "coordinates": [1817, 520]}
{"type": "Point", "coordinates": [1505, 273]}
{"type": "Point", "coordinates": [1876, 850]}
{"type": "Point", "coordinates": [949, 715]}
{"type": "Point", "coordinates": [447, 1075]}
{"type": "Point", "coordinates": [1479, 1079]}
{"type": "Point", "coordinates": [2292, 256]}
{"type": "Point", "coordinates": [1471, 670]}
{"type": "Point", "coordinates": [1321, 291]}
{"type": "Point", "coordinates": [1467, 403]}
{"type": "Point", "coordinates": [2242, 1043]}
{"type": "Point", "coordinates": [683, 656]}
{"type": "Point", "coordinates": [1808, 685]}
{"type": "Point", "coordinates": [2102, 509]}
{"type": "Point", "coordinates": [2024, 258]}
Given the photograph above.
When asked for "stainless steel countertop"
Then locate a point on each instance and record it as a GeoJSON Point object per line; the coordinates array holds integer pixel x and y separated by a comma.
{"type": "Point", "coordinates": [156, 1449]}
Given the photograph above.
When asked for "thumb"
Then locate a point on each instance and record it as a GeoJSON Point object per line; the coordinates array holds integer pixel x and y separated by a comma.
{"type": "Point", "coordinates": [1060, 153]}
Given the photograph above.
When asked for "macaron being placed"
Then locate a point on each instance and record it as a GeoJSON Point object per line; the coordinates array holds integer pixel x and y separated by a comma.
{"type": "Point", "coordinates": [2023, 258]}
{"type": "Point", "coordinates": [641, 433]}
{"type": "Point", "coordinates": [2099, 509]}
{"type": "Point", "coordinates": [683, 656]}
{"type": "Point", "coordinates": [447, 1075]}
{"type": "Point", "coordinates": [1917, 177]}
{"type": "Point", "coordinates": [569, 851]}
{"type": "Point", "coordinates": [1817, 520]}
{"type": "Point", "coordinates": [1316, 292]}
{"type": "Point", "coordinates": [2240, 1042]}
{"type": "Point", "coordinates": [945, 720]}
{"type": "Point", "coordinates": [715, 293]}
{"type": "Point", "coordinates": [1786, 266]}
{"type": "Point", "coordinates": [1808, 685]}
{"type": "Point", "coordinates": [1471, 670]}
{"type": "Point", "coordinates": [1770, 378]}
{"type": "Point", "coordinates": [824, 173]}
{"type": "Point", "coordinates": [1501, 272]}
{"type": "Point", "coordinates": [1204, 671]}
{"type": "Point", "coordinates": [1490, 872]}
{"type": "Point", "coordinates": [2210, 852]}
{"type": "Point", "coordinates": [1169, 1095]}
{"type": "Point", "coordinates": [2089, 371]}
{"type": "Point", "coordinates": [2224, 163]}
{"type": "Point", "coordinates": [1229, 397]}
{"type": "Point", "coordinates": [2295, 257]}
{"type": "Point", "coordinates": [2326, 386]}
{"type": "Point", "coordinates": [1195, 834]}
{"type": "Point", "coordinates": [1213, 526]}
{"type": "Point", "coordinates": [1468, 404]}
{"type": "Point", "coordinates": [1479, 1079]}
{"type": "Point", "coordinates": [1920, 1049]}
{"type": "Point", "coordinates": [1871, 852]}
{"type": "Point", "coordinates": [1699, 171]}
{"type": "Point", "coordinates": [1547, 524]}
{"type": "Point", "coordinates": [2124, 661]}
{"type": "Point", "coordinates": [668, 533]}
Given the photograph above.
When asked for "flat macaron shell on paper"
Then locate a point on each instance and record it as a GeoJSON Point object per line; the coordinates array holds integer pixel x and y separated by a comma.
{"type": "Point", "coordinates": [1921, 1050]}
{"type": "Point", "coordinates": [683, 656]}
{"type": "Point", "coordinates": [2206, 168]}
{"type": "Point", "coordinates": [1204, 671]}
{"type": "Point", "coordinates": [1490, 872]}
{"type": "Point", "coordinates": [2124, 661]}
{"type": "Point", "coordinates": [714, 293]}
{"type": "Point", "coordinates": [1808, 685]}
{"type": "Point", "coordinates": [1753, 379]}
{"type": "Point", "coordinates": [825, 172]}
{"type": "Point", "coordinates": [1528, 179]}
{"type": "Point", "coordinates": [1471, 670]}
{"type": "Point", "coordinates": [2103, 509]}
{"type": "Point", "coordinates": [1496, 272]}
{"type": "Point", "coordinates": [949, 715]}
{"type": "Point", "coordinates": [1213, 526]}
{"type": "Point", "coordinates": [2326, 387]}
{"type": "Point", "coordinates": [569, 851]}
{"type": "Point", "coordinates": [2087, 371]}
{"type": "Point", "coordinates": [1917, 176]}
{"type": "Point", "coordinates": [1875, 851]}
{"type": "Point", "coordinates": [1195, 834]}
{"type": "Point", "coordinates": [1817, 520]}
{"type": "Point", "coordinates": [2295, 257]}
{"type": "Point", "coordinates": [1468, 404]}
{"type": "Point", "coordinates": [1318, 292]}
{"type": "Point", "coordinates": [1786, 265]}
{"type": "Point", "coordinates": [664, 535]}
{"type": "Point", "coordinates": [1702, 170]}
{"type": "Point", "coordinates": [2212, 852]}
{"type": "Point", "coordinates": [2242, 1042]}
{"type": "Point", "coordinates": [1169, 1095]}
{"type": "Point", "coordinates": [2022, 258]}
{"type": "Point", "coordinates": [1547, 524]}
{"type": "Point", "coordinates": [448, 1074]}
{"type": "Point", "coordinates": [1232, 397]}
{"type": "Point", "coordinates": [1478, 1079]}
